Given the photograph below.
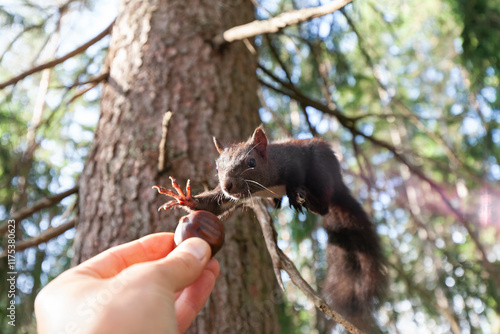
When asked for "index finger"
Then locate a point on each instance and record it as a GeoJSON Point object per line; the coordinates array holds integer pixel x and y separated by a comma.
{"type": "Point", "coordinates": [112, 261]}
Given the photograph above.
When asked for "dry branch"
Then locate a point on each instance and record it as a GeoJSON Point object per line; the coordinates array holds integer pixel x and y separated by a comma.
{"type": "Point", "coordinates": [57, 61]}
{"type": "Point", "coordinates": [37, 206]}
{"type": "Point", "coordinates": [97, 79]}
{"type": "Point", "coordinates": [276, 23]}
{"type": "Point", "coordinates": [162, 147]}
{"type": "Point", "coordinates": [45, 236]}
{"type": "Point", "coordinates": [281, 261]}
{"type": "Point", "coordinates": [92, 85]}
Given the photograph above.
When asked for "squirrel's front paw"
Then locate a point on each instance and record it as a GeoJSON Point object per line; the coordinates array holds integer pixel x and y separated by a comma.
{"type": "Point", "coordinates": [297, 199]}
{"type": "Point", "coordinates": [180, 199]}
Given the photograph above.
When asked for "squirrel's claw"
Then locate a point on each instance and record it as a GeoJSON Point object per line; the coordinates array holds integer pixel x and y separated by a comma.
{"type": "Point", "coordinates": [168, 205]}
{"type": "Point", "coordinates": [179, 197]}
{"type": "Point", "coordinates": [165, 191]}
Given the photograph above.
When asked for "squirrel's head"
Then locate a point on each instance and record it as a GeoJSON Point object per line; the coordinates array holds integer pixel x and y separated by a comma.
{"type": "Point", "coordinates": [243, 168]}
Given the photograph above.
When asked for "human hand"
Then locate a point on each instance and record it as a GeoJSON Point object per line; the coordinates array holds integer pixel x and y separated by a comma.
{"type": "Point", "coordinates": [144, 286]}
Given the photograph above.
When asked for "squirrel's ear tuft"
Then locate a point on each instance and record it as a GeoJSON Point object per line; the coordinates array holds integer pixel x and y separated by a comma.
{"type": "Point", "coordinates": [259, 141]}
{"type": "Point", "coordinates": [259, 137]}
{"type": "Point", "coordinates": [218, 145]}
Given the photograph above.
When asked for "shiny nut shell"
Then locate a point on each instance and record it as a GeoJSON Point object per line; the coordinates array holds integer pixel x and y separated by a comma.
{"type": "Point", "coordinates": [201, 224]}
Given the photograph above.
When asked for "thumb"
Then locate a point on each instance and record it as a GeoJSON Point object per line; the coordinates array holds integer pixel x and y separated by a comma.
{"type": "Point", "coordinates": [185, 263]}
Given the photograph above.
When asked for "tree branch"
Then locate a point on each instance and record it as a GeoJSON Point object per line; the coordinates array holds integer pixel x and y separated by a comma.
{"type": "Point", "coordinates": [281, 261]}
{"type": "Point", "coordinates": [45, 236]}
{"type": "Point", "coordinates": [85, 90]}
{"type": "Point", "coordinates": [97, 79]}
{"type": "Point", "coordinates": [57, 61]}
{"type": "Point", "coordinates": [274, 52]}
{"type": "Point", "coordinates": [37, 206]}
{"type": "Point", "coordinates": [18, 36]}
{"type": "Point", "coordinates": [276, 23]}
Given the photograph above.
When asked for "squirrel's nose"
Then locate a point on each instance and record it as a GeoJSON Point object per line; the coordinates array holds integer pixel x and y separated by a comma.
{"type": "Point", "coordinates": [228, 185]}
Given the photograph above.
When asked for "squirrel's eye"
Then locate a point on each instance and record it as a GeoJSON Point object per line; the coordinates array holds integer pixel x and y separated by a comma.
{"type": "Point", "coordinates": [252, 163]}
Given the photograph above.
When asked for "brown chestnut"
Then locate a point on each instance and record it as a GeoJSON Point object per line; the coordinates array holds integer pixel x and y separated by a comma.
{"type": "Point", "coordinates": [201, 224]}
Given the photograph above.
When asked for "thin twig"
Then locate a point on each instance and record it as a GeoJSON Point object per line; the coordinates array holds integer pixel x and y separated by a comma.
{"type": "Point", "coordinates": [274, 52]}
{"type": "Point", "coordinates": [279, 121]}
{"type": "Point", "coordinates": [322, 72]}
{"type": "Point", "coordinates": [57, 61]}
{"type": "Point", "coordinates": [81, 92]}
{"type": "Point", "coordinates": [97, 79]}
{"type": "Point", "coordinates": [37, 206]}
{"type": "Point", "coordinates": [276, 23]}
{"type": "Point", "coordinates": [162, 147]}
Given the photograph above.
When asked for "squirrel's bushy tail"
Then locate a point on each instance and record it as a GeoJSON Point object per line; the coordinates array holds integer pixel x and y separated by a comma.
{"type": "Point", "coordinates": [356, 273]}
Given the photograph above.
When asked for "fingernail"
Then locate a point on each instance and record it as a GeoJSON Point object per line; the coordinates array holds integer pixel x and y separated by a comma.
{"type": "Point", "coordinates": [197, 247]}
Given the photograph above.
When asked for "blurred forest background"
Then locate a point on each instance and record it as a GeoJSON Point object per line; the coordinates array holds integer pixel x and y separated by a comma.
{"type": "Point", "coordinates": [407, 92]}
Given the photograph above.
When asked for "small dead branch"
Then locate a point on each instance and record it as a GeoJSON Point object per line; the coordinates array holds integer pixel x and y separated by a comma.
{"type": "Point", "coordinates": [98, 79]}
{"type": "Point", "coordinates": [281, 261]}
{"type": "Point", "coordinates": [37, 206]}
{"type": "Point", "coordinates": [276, 23]}
{"type": "Point", "coordinates": [45, 236]}
{"type": "Point", "coordinates": [57, 61]}
{"type": "Point", "coordinates": [162, 147]}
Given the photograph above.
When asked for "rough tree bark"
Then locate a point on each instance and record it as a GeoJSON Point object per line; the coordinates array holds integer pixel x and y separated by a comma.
{"type": "Point", "coordinates": [161, 59]}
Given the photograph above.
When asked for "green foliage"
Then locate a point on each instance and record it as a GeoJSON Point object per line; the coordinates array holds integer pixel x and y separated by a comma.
{"type": "Point", "coordinates": [480, 20]}
{"type": "Point", "coordinates": [481, 47]}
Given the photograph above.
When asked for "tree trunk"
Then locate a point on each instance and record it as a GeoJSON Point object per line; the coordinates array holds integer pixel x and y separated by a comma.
{"type": "Point", "coordinates": [161, 59]}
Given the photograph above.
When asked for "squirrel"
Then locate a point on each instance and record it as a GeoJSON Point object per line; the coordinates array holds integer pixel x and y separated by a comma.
{"type": "Point", "coordinates": [309, 174]}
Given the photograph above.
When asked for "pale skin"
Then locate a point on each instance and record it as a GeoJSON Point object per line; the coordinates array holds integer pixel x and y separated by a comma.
{"type": "Point", "coordinates": [145, 286]}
